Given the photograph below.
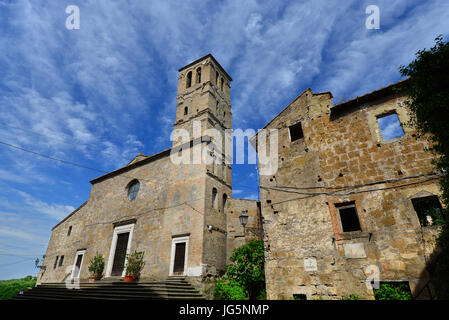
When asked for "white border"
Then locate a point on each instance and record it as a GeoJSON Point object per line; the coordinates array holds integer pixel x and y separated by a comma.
{"type": "Point", "coordinates": [173, 250]}
{"type": "Point", "coordinates": [121, 229]}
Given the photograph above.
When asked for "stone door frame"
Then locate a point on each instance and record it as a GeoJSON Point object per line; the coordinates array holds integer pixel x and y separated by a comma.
{"type": "Point", "coordinates": [174, 241]}
{"type": "Point", "coordinates": [81, 252]}
{"type": "Point", "coordinates": [129, 228]}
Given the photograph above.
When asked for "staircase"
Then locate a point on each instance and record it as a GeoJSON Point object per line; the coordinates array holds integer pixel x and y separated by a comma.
{"type": "Point", "coordinates": [173, 288]}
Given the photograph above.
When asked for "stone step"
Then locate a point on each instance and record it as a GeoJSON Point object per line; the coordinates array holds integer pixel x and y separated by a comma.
{"type": "Point", "coordinates": [171, 288]}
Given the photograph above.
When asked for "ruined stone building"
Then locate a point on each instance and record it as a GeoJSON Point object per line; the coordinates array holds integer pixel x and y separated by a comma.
{"type": "Point", "coordinates": [349, 202]}
{"type": "Point", "coordinates": [182, 216]}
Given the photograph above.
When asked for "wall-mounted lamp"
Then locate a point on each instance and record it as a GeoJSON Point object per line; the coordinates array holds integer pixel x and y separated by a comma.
{"type": "Point", "coordinates": [243, 220]}
{"type": "Point", "coordinates": [209, 227]}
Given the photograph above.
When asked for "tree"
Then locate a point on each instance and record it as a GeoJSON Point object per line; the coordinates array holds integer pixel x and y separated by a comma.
{"type": "Point", "coordinates": [428, 99]}
{"type": "Point", "coordinates": [245, 274]}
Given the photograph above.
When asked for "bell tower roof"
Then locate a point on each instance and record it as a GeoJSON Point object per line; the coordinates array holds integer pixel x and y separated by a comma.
{"type": "Point", "coordinates": [209, 55]}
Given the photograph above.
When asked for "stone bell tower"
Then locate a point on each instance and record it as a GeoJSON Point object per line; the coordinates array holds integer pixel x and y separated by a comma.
{"type": "Point", "coordinates": [203, 103]}
{"type": "Point", "coordinates": [203, 95]}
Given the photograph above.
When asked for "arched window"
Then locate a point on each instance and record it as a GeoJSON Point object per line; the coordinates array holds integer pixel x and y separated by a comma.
{"type": "Point", "coordinates": [133, 190]}
{"type": "Point", "coordinates": [186, 110]}
{"type": "Point", "coordinates": [225, 199]}
{"type": "Point", "coordinates": [198, 75]}
{"type": "Point", "coordinates": [214, 198]}
{"type": "Point", "coordinates": [189, 79]}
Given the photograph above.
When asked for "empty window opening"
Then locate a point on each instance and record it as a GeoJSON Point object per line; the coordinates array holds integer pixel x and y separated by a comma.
{"type": "Point", "coordinates": [393, 290]}
{"type": "Point", "coordinates": [69, 232]}
{"type": "Point", "coordinates": [225, 199]}
{"type": "Point", "coordinates": [186, 110]}
{"type": "Point", "coordinates": [428, 210]}
{"type": "Point", "coordinates": [221, 84]}
{"type": "Point", "coordinates": [198, 75]}
{"type": "Point", "coordinates": [299, 297]}
{"type": "Point", "coordinates": [348, 217]}
{"type": "Point", "coordinates": [61, 261]}
{"type": "Point", "coordinates": [189, 79]}
{"type": "Point", "coordinates": [295, 132]}
{"type": "Point", "coordinates": [216, 78]}
{"type": "Point", "coordinates": [56, 262]}
{"type": "Point", "coordinates": [390, 126]}
{"type": "Point", "coordinates": [214, 198]}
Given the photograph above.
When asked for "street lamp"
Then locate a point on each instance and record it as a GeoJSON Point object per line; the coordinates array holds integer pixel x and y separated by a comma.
{"type": "Point", "coordinates": [243, 220]}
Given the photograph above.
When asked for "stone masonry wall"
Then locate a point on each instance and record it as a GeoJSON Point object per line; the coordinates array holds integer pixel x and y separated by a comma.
{"type": "Point", "coordinates": [306, 250]}
{"type": "Point", "coordinates": [160, 210]}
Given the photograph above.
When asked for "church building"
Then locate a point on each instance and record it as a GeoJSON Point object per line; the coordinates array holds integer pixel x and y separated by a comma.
{"type": "Point", "coordinates": [182, 216]}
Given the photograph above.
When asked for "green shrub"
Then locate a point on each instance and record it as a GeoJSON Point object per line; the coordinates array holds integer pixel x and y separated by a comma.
{"type": "Point", "coordinates": [245, 276]}
{"type": "Point", "coordinates": [247, 268]}
{"type": "Point", "coordinates": [10, 288]}
{"type": "Point", "coordinates": [135, 264]}
{"type": "Point", "coordinates": [393, 291]}
{"type": "Point", "coordinates": [96, 266]}
{"type": "Point", "coordinates": [226, 289]}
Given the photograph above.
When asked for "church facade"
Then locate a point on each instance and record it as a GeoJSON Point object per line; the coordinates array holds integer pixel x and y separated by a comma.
{"type": "Point", "coordinates": [181, 215]}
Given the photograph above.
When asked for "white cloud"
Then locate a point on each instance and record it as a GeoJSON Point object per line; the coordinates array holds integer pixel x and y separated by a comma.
{"type": "Point", "coordinates": [56, 211]}
{"type": "Point", "coordinates": [22, 234]}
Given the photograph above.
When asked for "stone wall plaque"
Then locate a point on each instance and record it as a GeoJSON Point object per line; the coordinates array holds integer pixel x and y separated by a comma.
{"type": "Point", "coordinates": [354, 250]}
{"type": "Point", "coordinates": [310, 264]}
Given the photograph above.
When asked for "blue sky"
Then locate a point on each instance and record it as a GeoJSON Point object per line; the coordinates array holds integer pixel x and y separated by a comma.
{"type": "Point", "coordinates": [99, 95]}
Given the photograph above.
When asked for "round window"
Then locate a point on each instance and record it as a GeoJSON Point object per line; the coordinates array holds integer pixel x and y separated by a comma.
{"type": "Point", "coordinates": [133, 190]}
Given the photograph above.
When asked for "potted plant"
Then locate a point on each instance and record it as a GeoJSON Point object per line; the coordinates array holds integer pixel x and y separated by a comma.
{"type": "Point", "coordinates": [134, 266]}
{"type": "Point", "coordinates": [96, 267]}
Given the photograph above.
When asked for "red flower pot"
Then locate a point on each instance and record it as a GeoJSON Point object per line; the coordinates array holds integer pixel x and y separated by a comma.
{"type": "Point", "coordinates": [129, 278]}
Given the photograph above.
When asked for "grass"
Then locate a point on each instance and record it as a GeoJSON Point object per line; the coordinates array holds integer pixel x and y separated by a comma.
{"type": "Point", "coordinates": [9, 288]}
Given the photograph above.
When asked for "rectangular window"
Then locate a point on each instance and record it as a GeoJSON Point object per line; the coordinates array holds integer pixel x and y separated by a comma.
{"type": "Point", "coordinates": [428, 210]}
{"type": "Point", "coordinates": [61, 261]}
{"type": "Point", "coordinates": [69, 232]}
{"type": "Point", "coordinates": [295, 132]}
{"type": "Point", "coordinates": [56, 262]}
{"type": "Point", "coordinates": [390, 126]}
{"type": "Point", "coordinates": [348, 216]}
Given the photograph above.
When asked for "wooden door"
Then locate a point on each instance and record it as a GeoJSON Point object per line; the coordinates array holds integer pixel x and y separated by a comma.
{"type": "Point", "coordinates": [180, 252]}
{"type": "Point", "coordinates": [120, 254]}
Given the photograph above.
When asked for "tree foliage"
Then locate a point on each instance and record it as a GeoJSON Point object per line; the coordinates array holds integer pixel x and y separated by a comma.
{"type": "Point", "coordinates": [9, 288]}
{"type": "Point", "coordinates": [428, 93]}
{"type": "Point", "coordinates": [246, 271]}
{"type": "Point", "coordinates": [226, 289]}
{"type": "Point", "coordinates": [393, 291]}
